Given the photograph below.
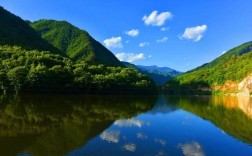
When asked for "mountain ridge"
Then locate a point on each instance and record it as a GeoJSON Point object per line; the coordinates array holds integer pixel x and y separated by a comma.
{"type": "Point", "coordinates": [15, 31]}
{"type": "Point", "coordinates": [159, 74]}
{"type": "Point", "coordinates": [223, 74]}
{"type": "Point", "coordinates": [77, 44]}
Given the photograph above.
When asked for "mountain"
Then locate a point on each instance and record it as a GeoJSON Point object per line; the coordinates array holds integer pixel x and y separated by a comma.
{"type": "Point", "coordinates": [159, 74]}
{"type": "Point", "coordinates": [57, 37]}
{"type": "Point", "coordinates": [226, 73]}
{"type": "Point", "coordinates": [75, 43]}
{"type": "Point", "coordinates": [160, 70]}
{"type": "Point", "coordinates": [15, 31]}
{"type": "Point", "coordinates": [75, 63]}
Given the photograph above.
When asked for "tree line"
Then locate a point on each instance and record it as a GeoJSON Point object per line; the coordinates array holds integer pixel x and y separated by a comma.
{"type": "Point", "coordinates": [29, 70]}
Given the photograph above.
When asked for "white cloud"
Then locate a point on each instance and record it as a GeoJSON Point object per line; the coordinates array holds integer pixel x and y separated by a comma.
{"type": "Point", "coordinates": [113, 42]}
{"type": "Point", "coordinates": [192, 149]}
{"type": "Point", "coordinates": [142, 44]}
{"type": "Point", "coordinates": [110, 136]}
{"type": "Point", "coordinates": [164, 28]}
{"type": "Point", "coordinates": [130, 147]}
{"type": "Point", "coordinates": [156, 19]}
{"type": "Point", "coordinates": [194, 33]}
{"type": "Point", "coordinates": [130, 57]}
{"type": "Point", "coordinates": [133, 32]}
{"type": "Point", "coordinates": [162, 40]}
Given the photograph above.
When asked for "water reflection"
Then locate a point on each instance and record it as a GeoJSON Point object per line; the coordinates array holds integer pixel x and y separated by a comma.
{"type": "Point", "coordinates": [244, 103]}
{"type": "Point", "coordinates": [130, 147]}
{"type": "Point", "coordinates": [110, 136]}
{"type": "Point", "coordinates": [125, 125]}
{"type": "Point", "coordinates": [55, 125]}
{"type": "Point", "coordinates": [192, 149]}
{"type": "Point", "coordinates": [167, 129]}
{"type": "Point", "coordinates": [130, 123]}
{"type": "Point", "coordinates": [230, 113]}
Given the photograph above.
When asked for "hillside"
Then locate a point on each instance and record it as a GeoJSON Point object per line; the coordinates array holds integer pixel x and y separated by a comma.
{"type": "Point", "coordinates": [222, 74]}
{"type": "Point", "coordinates": [75, 43]}
{"type": "Point", "coordinates": [22, 70]}
{"type": "Point", "coordinates": [15, 31]}
{"type": "Point", "coordinates": [159, 74]}
{"type": "Point", "coordinates": [31, 64]}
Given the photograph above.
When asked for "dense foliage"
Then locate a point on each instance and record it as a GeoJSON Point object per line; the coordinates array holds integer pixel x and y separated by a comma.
{"type": "Point", "coordinates": [68, 60]}
{"type": "Point", "coordinates": [15, 31]}
{"type": "Point", "coordinates": [22, 70]}
{"type": "Point", "coordinates": [234, 65]}
{"type": "Point", "coordinates": [75, 43]}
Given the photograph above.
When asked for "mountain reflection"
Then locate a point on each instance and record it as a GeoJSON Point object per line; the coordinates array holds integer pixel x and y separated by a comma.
{"type": "Point", "coordinates": [174, 126]}
{"type": "Point", "coordinates": [232, 114]}
{"type": "Point", "coordinates": [46, 125]}
{"type": "Point", "coordinates": [244, 103]}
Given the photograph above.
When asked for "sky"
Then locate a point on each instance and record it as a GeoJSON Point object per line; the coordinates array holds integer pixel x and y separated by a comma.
{"type": "Point", "coordinates": [180, 34]}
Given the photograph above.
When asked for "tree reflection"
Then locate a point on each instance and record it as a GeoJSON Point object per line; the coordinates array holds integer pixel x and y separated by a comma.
{"type": "Point", "coordinates": [231, 114]}
{"type": "Point", "coordinates": [57, 124]}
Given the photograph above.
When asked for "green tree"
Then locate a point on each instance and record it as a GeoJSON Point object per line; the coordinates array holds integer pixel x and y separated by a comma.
{"type": "Point", "coordinates": [17, 77]}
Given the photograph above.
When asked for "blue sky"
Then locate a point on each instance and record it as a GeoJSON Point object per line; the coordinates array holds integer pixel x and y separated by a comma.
{"type": "Point", "coordinates": [181, 34]}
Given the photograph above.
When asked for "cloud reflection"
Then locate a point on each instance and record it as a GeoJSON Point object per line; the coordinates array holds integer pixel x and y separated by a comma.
{"type": "Point", "coordinates": [130, 123]}
{"type": "Point", "coordinates": [161, 153]}
{"type": "Point", "coordinates": [160, 141]}
{"type": "Point", "coordinates": [110, 136]}
{"type": "Point", "coordinates": [130, 147]}
{"type": "Point", "coordinates": [192, 149]}
{"type": "Point", "coordinates": [142, 136]}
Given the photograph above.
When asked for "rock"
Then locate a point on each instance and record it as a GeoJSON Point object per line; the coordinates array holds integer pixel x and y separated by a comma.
{"type": "Point", "coordinates": [245, 86]}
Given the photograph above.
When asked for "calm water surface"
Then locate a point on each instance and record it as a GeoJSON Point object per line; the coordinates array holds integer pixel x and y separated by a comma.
{"type": "Point", "coordinates": [125, 125]}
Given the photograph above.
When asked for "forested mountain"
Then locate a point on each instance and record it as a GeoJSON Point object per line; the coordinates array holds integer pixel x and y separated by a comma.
{"type": "Point", "coordinates": [223, 73]}
{"type": "Point", "coordinates": [75, 43]}
{"type": "Point", "coordinates": [15, 31]}
{"type": "Point", "coordinates": [30, 63]}
{"type": "Point", "coordinates": [159, 74]}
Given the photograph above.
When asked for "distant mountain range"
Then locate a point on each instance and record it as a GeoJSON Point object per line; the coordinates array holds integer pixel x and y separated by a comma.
{"type": "Point", "coordinates": [159, 74]}
{"type": "Point", "coordinates": [160, 70]}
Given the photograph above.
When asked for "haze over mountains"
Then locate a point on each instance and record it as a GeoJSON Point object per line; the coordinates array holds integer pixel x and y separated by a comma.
{"type": "Point", "coordinates": [159, 74]}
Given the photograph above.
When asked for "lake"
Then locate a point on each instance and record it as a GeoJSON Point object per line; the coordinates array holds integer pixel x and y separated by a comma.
{"type": "Point", "coordinates": [43, 125]}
